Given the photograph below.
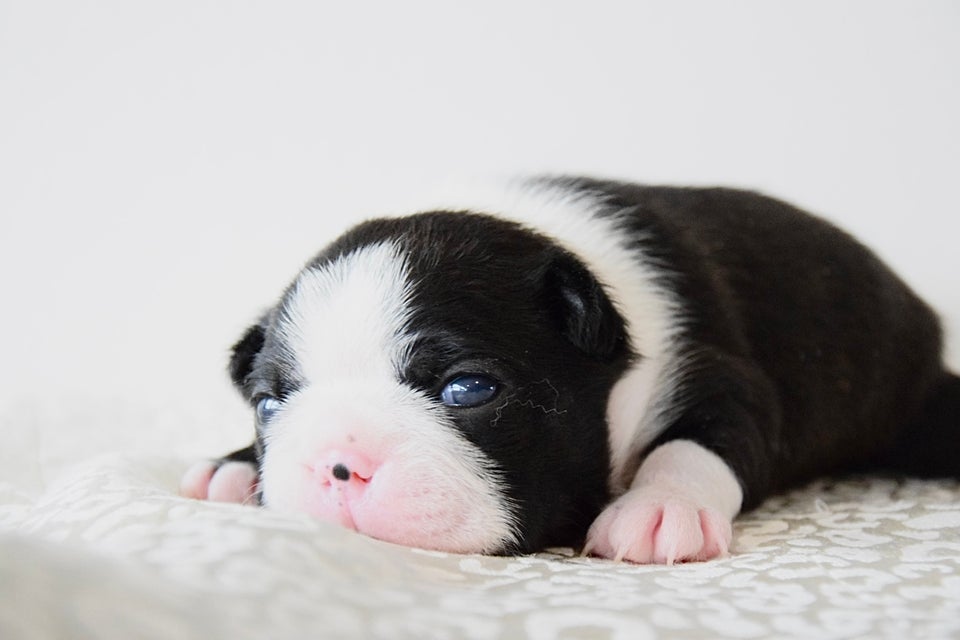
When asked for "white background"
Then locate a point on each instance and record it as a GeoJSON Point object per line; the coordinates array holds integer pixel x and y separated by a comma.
{"type": "Point", "coordinates": [165, 167]}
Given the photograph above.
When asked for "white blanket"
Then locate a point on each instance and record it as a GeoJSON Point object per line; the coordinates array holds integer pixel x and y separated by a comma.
{"type": "Point", "coordinates": [108, 550]}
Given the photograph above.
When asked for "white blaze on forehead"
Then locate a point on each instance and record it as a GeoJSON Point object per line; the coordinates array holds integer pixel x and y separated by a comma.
{"type": "Point", "coordinates": [347, 318]}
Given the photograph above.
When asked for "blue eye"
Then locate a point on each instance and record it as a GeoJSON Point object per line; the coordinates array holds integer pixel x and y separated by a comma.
{"type": "Point", "coordinates": [469, 391]}
{"type": "Point", "coordinates": [266, 407]}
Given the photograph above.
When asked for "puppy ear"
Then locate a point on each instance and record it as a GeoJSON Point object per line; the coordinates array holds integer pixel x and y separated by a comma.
{"type": "Point", "coordinates": [244, 352]}
{"type": "Point", "coordinates": [582, 310]}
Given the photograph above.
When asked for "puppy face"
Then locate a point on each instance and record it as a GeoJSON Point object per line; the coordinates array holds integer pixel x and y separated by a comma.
{"type": "Point", "coordinates": [438, 381]}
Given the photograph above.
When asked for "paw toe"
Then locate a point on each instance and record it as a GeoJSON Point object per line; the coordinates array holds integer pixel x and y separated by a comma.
{"type": "Point", "coordinates": [233, 482]}
{"type": "Point", "coordinates": [679, 536]}
{"type": "Point", "coordinates": [717, 534]}
{"type": "Point", "coordinates": [196, 480]}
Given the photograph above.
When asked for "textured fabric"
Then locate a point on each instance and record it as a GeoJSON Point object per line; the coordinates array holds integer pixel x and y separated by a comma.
{"type": "Point", "coordinates": [109, 551]}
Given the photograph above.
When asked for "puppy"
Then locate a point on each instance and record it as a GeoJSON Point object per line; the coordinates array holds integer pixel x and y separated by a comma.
{"type": "Point", "coordinates": [583, 363]}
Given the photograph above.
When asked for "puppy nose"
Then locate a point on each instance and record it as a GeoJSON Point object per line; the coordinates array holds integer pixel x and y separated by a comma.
{"type": "Point", "coordinates": [341, 472]}
{"type": "Point", "coordinates": [346, 467]}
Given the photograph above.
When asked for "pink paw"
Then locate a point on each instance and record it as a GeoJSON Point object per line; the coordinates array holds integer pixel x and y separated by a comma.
{"type": "Point", "coordinates": [230, 482]}
{"type": "Point", "coordinates": [651, 526]}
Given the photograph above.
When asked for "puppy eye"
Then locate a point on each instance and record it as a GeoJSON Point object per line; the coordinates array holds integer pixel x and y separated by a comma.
{"type": "Point", "coordinates": [469, 391]}
{"type": "Point", "coordinates": [267, 406]}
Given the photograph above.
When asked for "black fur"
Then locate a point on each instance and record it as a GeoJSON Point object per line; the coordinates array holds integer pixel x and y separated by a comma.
{"type": "Point", "coordinates": [811, 356]}
{"type": "Point", "coordinates": [244, 353]}
{"type": "Point", "coordinates": [805, 354]}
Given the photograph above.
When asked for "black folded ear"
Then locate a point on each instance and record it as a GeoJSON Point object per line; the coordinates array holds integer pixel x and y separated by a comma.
{"type": "Point", "coordinates": [582, 310]}
{"type": "Point", "coordinates": [244, 353]}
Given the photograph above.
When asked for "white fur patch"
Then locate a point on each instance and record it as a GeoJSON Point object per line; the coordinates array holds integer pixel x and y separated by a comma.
{"type": "Point", "coordinates": [345, 325]}
{"type": "Point", "coordinates": [652, 313]}
{"type": "Point", "coordinates": [682, 467]}
{"type": "Point", "coordinates": [347, 319]}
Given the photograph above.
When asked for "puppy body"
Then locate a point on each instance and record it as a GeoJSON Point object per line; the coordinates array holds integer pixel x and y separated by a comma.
{"type": "Point", "coordinates": [584, 361]}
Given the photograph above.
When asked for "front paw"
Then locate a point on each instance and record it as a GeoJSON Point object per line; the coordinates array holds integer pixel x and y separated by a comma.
{"type": "Point", "coordinates": [652, 526]}
{"type": "Point", "coordinates": [220, 482]}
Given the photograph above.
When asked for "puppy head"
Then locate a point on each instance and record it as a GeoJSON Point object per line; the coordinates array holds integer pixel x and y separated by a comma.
{"type": "Point", "coordinates": [438, 381]}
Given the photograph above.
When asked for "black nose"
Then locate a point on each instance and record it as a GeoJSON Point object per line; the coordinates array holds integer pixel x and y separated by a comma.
{"type": "Point", "coordinates": [340, 472]}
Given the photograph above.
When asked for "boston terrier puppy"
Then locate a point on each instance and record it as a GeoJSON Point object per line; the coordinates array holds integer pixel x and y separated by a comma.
{"type": "Point", "coordinates": [587, 363]}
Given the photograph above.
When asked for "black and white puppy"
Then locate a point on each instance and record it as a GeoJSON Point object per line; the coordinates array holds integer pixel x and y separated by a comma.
{"type": "Point", "coordinates": [584, 362]}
